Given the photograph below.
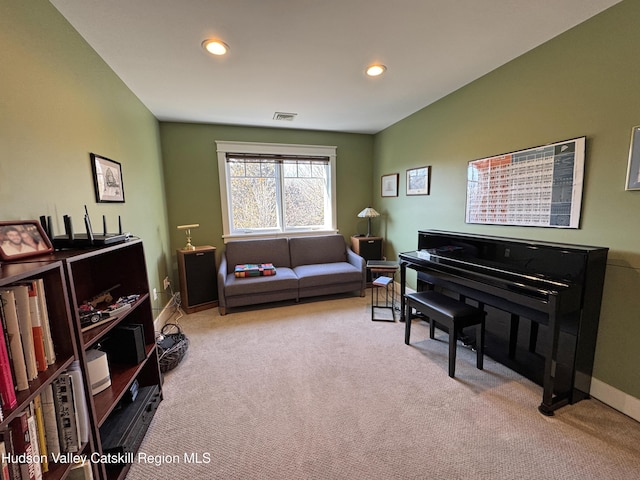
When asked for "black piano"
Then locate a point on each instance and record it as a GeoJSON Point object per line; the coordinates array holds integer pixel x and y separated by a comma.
{"type": "Point", "coordinates": [555, 288]}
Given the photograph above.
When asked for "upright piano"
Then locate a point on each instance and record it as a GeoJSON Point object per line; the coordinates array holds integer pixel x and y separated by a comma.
{"type": "Point", "coordinates": [556, 288]}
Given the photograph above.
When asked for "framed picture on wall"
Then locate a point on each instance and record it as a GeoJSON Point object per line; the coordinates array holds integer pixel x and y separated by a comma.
{"type": "Point", "coordinates": [418, 181]}
{"type": "Point", "coordinates": [534, 187]}
{"type": "Point", "coordinates": [21, 239]}
{"type": "Point", "coordinates": [633, 169]}
{"type": "Point", "coordinates": [389, 186]}
{"type": "Point", "coordinates": [107, 179]}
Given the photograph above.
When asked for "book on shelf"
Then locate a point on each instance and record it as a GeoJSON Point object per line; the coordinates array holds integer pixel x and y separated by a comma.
{"type": "Point", "coordinates": [21, 293]}
{"type": "Point", "coordinates": [35, 447]}
{"type": "Point", "coordinates": [50, 422]}
{"type": "Point", "coordinates": [46, 327]}
{"type": "Point", "coordinates": [36, 325]}
{"type": "Point", "coordinates": [66, 414]}
{"type": "Point", "coordinates": [8, 398]}
{"type": "Point", "coordinates": [80, 401]}
{"type": "Point", "coordinates": [22, 445]}
{"type": "Point", "coordinates": [4, 464]}
{"type": "Point", "coordinates": [6, 436]}
{"type": "Point", "coordinates": [10, 313]}
{"type": "Point", "coordinates": [41, 431]}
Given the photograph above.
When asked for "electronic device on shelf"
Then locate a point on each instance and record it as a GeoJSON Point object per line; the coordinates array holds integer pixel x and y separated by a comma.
{"type": "Point", "coordinates": [98, 370]}
{"type": "Point", "coordinates": [124, 430]}
{"type": "Point", "coordinates": [71, 239]}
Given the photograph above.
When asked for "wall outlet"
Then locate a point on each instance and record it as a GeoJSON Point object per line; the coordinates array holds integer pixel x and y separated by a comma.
{"type": "Point", "coordinates": [155, 293]}
{"type": "Point", "coordinates": [167, 283]}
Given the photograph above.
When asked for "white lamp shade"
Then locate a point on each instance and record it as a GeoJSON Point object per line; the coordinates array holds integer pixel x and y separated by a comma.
{"type": "Point", "coordinates": [368, 213]}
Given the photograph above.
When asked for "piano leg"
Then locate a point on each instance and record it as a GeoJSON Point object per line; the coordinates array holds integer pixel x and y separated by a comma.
{"type": "Point", "coordinates": [403, 289]}
{"type": "Point", "coordinates": [513, 334]}
{"type": "Point", "coordinates": [407, 322]}
{"type": "Point", "coordinates": [549, 403]}
{"type": "Point", "coordinates": [533, 337]}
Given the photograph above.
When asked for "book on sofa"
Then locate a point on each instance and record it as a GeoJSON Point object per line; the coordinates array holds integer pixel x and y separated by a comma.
{"type": "Point", "coordinates": [255, 270]}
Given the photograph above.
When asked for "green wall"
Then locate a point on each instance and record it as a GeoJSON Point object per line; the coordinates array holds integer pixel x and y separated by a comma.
{"type": "Point", "coordinates": [584, 82]}
{"type": "Point", "coordinates": [192, 181]}
{"type": "Point", "coordinates": [58, 102]}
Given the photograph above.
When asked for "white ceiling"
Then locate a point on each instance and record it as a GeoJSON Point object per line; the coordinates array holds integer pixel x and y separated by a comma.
{"type": "Point", "coordinates": [308, 56]}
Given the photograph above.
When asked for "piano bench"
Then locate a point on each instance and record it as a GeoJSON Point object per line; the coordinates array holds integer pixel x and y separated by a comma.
{"type": "Point", "coordinates": [452, 314]}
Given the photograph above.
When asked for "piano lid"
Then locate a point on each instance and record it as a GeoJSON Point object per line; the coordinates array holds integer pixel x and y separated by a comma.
{"type": "Point", "coordinates": [554, 262]}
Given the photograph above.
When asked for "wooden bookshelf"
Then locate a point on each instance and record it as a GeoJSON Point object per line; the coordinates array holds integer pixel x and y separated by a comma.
{"type": "Point", "coordinates": [71, 277]}
{"type": "Point", "coordinates": [52, 273]}
{"type": "Point", "coordinates": [121, 269]}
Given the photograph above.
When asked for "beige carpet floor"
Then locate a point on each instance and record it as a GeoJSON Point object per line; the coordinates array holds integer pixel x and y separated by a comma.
{"type": "Point", "coordinates": [319, 391]}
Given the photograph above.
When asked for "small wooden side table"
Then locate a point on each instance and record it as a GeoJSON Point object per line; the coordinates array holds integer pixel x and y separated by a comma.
{"type": "Point", "coordinates": [383, 280]}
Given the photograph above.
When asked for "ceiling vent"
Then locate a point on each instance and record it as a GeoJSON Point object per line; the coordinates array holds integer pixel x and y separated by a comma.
{"type": "Point", "coordinates": [285, 117]}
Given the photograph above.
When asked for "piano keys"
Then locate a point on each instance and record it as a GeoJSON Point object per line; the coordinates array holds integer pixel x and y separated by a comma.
{"type": "Point", "coordinates": [556, 287]}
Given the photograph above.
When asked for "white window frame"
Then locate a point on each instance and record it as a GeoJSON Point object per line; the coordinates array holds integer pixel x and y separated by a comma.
{"type": "Point", "coordinates": [223, 147]}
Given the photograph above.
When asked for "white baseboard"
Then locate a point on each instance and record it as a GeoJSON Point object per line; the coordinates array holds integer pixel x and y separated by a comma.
{"type": "Point", "coordinates": [167, 312]}
{"type": "Point", "coordinates": [615, 398]}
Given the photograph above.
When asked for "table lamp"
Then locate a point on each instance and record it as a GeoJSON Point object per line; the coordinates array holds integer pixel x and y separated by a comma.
{"type": "Point", "coordinates": [368, 213]}
{"type": "Point", "coordinates": [188, 228]}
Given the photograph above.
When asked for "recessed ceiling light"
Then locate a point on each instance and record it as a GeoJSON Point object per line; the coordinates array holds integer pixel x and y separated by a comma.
{"type": "Point", "coordinates": [215, 47]}
{"type": "Point", "coordinates": [375, 70]}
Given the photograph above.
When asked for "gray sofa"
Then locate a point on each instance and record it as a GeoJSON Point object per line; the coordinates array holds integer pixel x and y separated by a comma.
{"type": "Point", "coordinates": [305, 267]}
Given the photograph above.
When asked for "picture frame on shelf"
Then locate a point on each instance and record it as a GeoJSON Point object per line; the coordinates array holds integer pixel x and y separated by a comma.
{"type": "Point", "coordinates": [419, 181]}
{"type": "Point", "coordinates": [107, 179]}
{"type": "Point", "coordinates": [389, 185]}
{"type": "Point", "coordinates": [22, 239]}
{"type": "Point", "coordinates": [633, 168]}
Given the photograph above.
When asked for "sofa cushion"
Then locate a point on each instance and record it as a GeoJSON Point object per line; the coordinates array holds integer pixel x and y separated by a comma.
{"type": "Point", "coordinates": [268, 250]}
{"type": "Point", "coordinates": [320, 249]}
{"type": "Point", "coordinates": [286, 279]}
{"type": "Point", "coordinates": [327, 274]}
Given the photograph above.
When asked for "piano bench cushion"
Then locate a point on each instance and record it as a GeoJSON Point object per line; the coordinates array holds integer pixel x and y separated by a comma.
{"type": "Point", "coordinates": [444, 308]}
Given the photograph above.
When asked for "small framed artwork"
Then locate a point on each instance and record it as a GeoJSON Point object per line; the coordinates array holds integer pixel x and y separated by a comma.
{"type": "Point", "coordinates": [107, 179]}
{"type": "Point", "coordinates": [389, 187]}
{"type": "Point", "coordinates": [418, 181]}
{"type": "Point", "coordinates": [633, 169]}
{"type": "Point", "coordinates": [23, 238]}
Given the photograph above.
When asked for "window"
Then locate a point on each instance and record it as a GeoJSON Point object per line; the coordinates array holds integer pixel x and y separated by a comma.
{"type": "Point", "coordinates": [270, 189]}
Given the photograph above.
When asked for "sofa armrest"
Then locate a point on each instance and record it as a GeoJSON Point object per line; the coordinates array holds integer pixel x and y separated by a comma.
{"type": "Point", "coordinates": [358, 262]}
{"type": "Point", "coordinates": [222, 278]}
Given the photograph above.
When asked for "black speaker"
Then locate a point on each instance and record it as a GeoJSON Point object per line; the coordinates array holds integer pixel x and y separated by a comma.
{"type": "Point", "coordinates": [371, 249]}
{"type": "Point", "coordinates": [198, 282]}
{"type": "Point", "coordinates": [125, 344]}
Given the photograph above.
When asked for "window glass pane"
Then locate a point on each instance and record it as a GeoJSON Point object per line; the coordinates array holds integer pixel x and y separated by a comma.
{"type": "Point", "coordinates": [253, 197]}
{"type": "Point", "coordinates": [236, 169]}
{"type": "Point", "coordinates": [290, 169]}
{"type": "Point", "coordinates": [269, 169]}
{"type": "Point", "coordinates": [304, 202]}
{"type": "Point", "coordinates": [253, 170]}
{"type": "Point", "coordinates": [304, 169]}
